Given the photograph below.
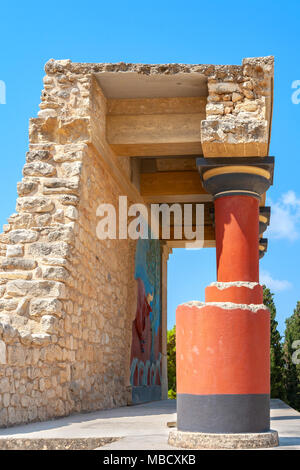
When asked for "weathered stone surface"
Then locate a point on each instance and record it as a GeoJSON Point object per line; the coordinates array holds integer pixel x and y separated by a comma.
{"type": "Point", "coordinates": [16, 355]}
{"type": "Point", "coordinates": [49, 323]}
{"type": "Point", "coordinates": [72, 213]}
{"type": "Point", "coordinates": [26, 187]}
{"type": "Point", "coordinates": [34, 204]}
{"type": "Point", "coordinates": [61, 185]}
{"type": "Point", "coordinates": [39, 169]}
{"type": "Point", "coordinates": [8, 304]}
{"type": "Point", "coordinates": [72, 169]}
{"type": "Point", "coordinates": [35, 288]}
{"type": "Point", "coordinates": [14, 251]}
{"type": "Point", "coordinates": [39, 307]}
{"type": "Point", "coordinates": [56, 273]}
{"type": "Point", "coordinates": [69, 200]}
{"type": "Point", "coordinates": [22, 236]}
{"type": "Point", "coordinates": [38, 156]}
{"type": "Point", "coordinates": [223, 88]}
{"type": "Point", "coordinates": [215, 109]}
{"type": "Point", "coordinates": [17, 263]}
{"type": "Point", "coordinates": [4, 385]}
{"type": "Point", "coordinates": [49, 249]}
{"type": "Point", "coordinates": [15, 275]}
{"type": "Point", "coordinates": [2, 352]}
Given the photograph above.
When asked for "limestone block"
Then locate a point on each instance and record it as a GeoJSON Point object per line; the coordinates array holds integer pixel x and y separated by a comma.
{"type": "Point", "coordinates": [72, 213]}
{"type": "Point", "coordinates": [59, 216]}
{"type": "Point", "coordinates": [236, 97]}
{"type": "Point", "coordinates": [61, 185]}
{"type": "Point", "coordinates": [17, 263]}
{"type": "Point", "coordinates": [47, 113]}
{"type": "Point", "coordinates": [68, 156]}
{"type": "Point", "coordinates": [22, 236]}
{"type": "Point", "coordinates": [13, 251]}
{"type": "Point", "coordinates": [26, 187]}
{"type": "Point", "coordinates": [72, 169]}
{"type": "Point", "coordinates": [37, 156]}
{"type": "Point", "coordinates": [69, 200]}
{"type": "Point", "coordinates": [23, 307]}
{"type": "Point", "coordinates": [39, 169]}
{"type": "Point", "coordinates": [39, 307]}
{"type": "Point", "coordinates": [35, 288]}
{"type": "Point", "coordinates": [15, 275]}
{"type": "Point", "coordinates": [6, 400]}
{"type": "Point", "coordinates": [39, 249]}
{"type": "Point", "coordinates": [49, 323]}
{"type": "Point", "coordinates": [41, 339]}
{"type": "Point", "coordinates": [2, 352]}
{"type": "Point", "coordinates": [4, 385]}
{"type": "Point", "coordinates": [8, 304]}
{"type": "Point", "coordinates": [214, 109]}
{"type": "Point", "coordinates": [22, 220]}
{"type": "Point", "coordinates": [55, 273]}
{"type": "Point", "coordinates": [16, 355]}
{"type": "Point", "coordinates": [250, 106]}
{"type": "Point", "coordinates": [248, 93]}
{"type": "Point", "coordinates": [63, 233]}
{"type": "Point", "coordinates": [223, 87]}
{"type": "Point", "coordinates": [34, 204]}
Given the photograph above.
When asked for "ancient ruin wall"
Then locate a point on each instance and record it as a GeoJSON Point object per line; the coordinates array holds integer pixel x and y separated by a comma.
{"type": "Point", "coordinates": [239, 109]}
{"type": "Point", "coordinates": [66, 306]}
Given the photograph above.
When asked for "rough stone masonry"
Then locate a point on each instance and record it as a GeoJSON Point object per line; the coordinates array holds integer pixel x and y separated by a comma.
{"type": "Point", "coordinates": [67, 299]}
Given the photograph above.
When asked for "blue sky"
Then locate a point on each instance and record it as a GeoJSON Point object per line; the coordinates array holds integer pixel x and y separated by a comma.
{"type": "Point", "coordinates": [219, 32]}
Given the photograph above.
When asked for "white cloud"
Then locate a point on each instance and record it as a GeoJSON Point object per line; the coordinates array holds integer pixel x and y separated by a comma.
{"type": "Point", "coordinates": [273, 284]}
{"type": "Point", "coordinates": [285, 217]}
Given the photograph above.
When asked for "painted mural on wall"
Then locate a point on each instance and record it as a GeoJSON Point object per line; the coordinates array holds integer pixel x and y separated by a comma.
{"type": "Point", "coordinates": [145, 371]}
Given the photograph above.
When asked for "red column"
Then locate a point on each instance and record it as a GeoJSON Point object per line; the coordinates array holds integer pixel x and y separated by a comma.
{"type": "Point", "coordinates": [223, 345]}
{"type": "Point", "coordinates": [237, 227]}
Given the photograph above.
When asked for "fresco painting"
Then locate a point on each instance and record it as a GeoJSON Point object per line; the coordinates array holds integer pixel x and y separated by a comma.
{"type": "Point", "coordinates": [145, 371]}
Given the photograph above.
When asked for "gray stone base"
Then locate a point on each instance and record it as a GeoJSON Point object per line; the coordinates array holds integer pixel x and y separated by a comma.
{"type": "Point", "coordinates": [199, 440]}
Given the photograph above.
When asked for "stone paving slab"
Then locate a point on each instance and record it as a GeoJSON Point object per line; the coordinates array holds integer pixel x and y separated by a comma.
{"type": "Point", "coordinates": [140, 427]}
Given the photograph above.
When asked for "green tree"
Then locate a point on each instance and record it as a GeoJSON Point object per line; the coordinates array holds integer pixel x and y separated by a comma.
{"type": "Point", "coordinates": [292, 334]}
{"type": "Point", "coordinates": [171, 354]}
{"type": "Point", "coordinates": [276, 350]}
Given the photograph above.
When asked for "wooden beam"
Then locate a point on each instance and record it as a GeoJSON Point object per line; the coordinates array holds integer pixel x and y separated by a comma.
{"type": "Point", "coordinates": [186, 198]}
{"type": "Point", "coordinates": [174, 183]}
{"type": "Point", "coordinates": [177, 105]}
{"type": "Point", "coordinates": [154, 134]}
{"type": "Point", "coordinates": [209, 233]}
{"type": "Point", "coordinates": [183, 244]}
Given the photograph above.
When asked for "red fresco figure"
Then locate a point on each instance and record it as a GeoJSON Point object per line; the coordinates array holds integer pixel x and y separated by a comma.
{"type": "Point", "coordinates": [141, 328]}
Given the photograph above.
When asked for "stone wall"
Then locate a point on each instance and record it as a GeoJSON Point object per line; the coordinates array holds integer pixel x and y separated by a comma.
{"type": "Point", "coordinates": [238, 111]}
{"type": "Point", "coordinates": [67, 299]}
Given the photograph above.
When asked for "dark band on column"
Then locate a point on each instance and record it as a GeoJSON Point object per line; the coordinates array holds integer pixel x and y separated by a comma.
{"type": "Point", "coordinates": [250, 176]}
{"type": "Point", "coordinates": [223, 413]}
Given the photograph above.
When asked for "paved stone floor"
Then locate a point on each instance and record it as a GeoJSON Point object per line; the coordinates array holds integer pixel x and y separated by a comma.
{"type": "Point", "coordinates": [140, 427]}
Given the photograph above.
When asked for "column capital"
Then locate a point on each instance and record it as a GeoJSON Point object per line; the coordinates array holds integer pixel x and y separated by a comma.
{"type": "Point", "coordinates": [231, 176]}
{"type": "Point", "coordinates": [263, 247]}
{"type": "Point", "coordinates": [264, 218]}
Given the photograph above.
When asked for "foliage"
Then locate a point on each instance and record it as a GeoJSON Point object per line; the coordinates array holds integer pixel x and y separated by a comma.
{"type": "Point", "coordinates": [292, 334]}
{"type": "Point", "coordinates": [276, 350]}
{"type": "Point", "coordinates": [171, 354]}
